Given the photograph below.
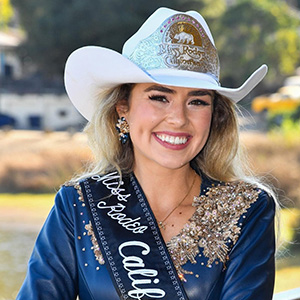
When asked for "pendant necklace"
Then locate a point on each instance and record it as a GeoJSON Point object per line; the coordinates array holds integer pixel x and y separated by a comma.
{"type": "Point", "coordinates": [161, 224]}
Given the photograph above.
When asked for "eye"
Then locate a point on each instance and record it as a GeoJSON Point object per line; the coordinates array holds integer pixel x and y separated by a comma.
{"type": "Point", "coordinates": [159, 98]}
{"type": "Point", "coordinates": [199, 102]}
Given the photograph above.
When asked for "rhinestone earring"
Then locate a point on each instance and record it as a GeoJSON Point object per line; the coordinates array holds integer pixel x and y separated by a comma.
{"type": "Point", "coordinates": [122, 127]}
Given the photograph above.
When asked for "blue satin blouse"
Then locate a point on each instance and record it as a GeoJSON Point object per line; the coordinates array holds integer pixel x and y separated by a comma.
{"type": "Point", "coordinates": [64, 262]}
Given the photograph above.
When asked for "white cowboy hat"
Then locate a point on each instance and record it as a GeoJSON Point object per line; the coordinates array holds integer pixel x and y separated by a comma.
{"type": "Point", "coordinates": [171, 48]}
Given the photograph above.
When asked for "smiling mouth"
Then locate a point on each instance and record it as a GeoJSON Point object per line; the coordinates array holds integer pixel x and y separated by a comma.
{"type": "Point", "coordinates": [173, 140]}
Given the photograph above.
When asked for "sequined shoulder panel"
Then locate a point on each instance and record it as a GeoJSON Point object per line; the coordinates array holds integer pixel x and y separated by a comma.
{"type": "Point", "coordinates": [214, 226]}
{"type": "Point", "coordinates": [77, 186]}
{"type": "Point", "coordinates": [96, 248]}
{"type": "Point", "coordinates": [88, 227]}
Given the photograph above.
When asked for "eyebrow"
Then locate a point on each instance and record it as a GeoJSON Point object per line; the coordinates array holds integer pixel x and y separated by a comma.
{"type": "Point", "coordinates": [164, 89]}
{"type": "Point", "coordinates": [159, 88]}
{"type": "Point", "coordinates": [200, 93]}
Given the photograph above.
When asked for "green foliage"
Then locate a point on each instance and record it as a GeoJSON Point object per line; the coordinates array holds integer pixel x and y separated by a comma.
{"type": "Point", "coordinates": [37, 203]}
{"type": "Point", "coordinates": [55, 28]}
{"type": "Point", "coordinates": [212, 9]}
{"type": "Point", "coordinates": [253, 32]}
{"type": "Point", "coordinates": [289, 130]}
{"type": "Point", "coordinates": [287, 263]}
{"type": "Point", "coordinates": [248, 33]}
{"type": "Point", "coordinates": [289, 221]}
{"type": "Point", "coordinates": [6, 13]}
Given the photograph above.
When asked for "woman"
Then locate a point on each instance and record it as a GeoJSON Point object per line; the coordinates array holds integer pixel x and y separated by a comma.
{"type": "Point", "coordinates": [167, 210]}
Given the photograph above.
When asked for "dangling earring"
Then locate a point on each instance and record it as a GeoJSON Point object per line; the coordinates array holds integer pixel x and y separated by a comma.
{"type": "Point", "coordinates": [123, 129]}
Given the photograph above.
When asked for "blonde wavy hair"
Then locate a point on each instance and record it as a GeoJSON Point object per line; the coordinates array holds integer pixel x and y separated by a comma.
{"type": "Point", "coordinates": [221, 158]}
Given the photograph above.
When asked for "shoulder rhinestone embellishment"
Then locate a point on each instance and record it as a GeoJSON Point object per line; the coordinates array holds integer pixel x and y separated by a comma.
{"type": "Point", "coordinates": [214, 225]}
{"type": "Point", "coordinates": [77, 186]}
{"type": "Point", "coordinates": [96, 248]}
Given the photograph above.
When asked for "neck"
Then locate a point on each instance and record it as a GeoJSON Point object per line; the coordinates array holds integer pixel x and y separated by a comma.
{"type": "Point", "coordinates": [167, 184]}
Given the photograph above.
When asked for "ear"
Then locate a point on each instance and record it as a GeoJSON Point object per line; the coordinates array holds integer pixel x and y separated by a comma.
{"type": "Point", "coordinates": [122, 107]}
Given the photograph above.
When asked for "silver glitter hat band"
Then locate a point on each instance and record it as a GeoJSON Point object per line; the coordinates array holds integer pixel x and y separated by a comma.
{"type": "Point", "coordinates": [179, 43]}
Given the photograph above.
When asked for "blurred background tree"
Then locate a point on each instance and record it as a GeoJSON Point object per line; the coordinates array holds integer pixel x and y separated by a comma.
{"type": "Point", "coordinates": [6, 13]}
{"type": "Point", "coordinates": [55, 28]}
{"type": "Point", "coordinates": [248, 33]}
{"type": "Point", "coordinates": [253, 32]}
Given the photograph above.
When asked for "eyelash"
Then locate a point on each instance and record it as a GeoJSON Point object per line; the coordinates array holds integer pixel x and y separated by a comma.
{"type": "Point", "coordinates": [162, 98]}
{"type": "Point", "coordinates": [159, 98]}
{"type": "Point", "coordinates": [200, 102]}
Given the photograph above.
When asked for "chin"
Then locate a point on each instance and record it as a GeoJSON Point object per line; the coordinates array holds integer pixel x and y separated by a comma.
{"type": "Point", "coordinates": [174, 165]}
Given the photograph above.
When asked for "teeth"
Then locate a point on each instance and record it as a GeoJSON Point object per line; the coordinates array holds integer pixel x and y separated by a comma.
{"type": "Point", "coordinates": [172, 139]}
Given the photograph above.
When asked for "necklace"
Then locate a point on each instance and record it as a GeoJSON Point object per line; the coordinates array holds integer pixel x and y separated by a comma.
{"type": "Point", "coordinates": [161, 224]}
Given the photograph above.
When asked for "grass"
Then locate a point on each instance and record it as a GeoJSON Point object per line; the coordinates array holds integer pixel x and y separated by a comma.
{"type": "Point", "coordinates": [288, 261]}
{"type": "Point", "coordinates": [289, 223]}
{"type": "Point", "coordinates": [38, 162]}
{"type": "Point", "coordinates": [23, 210]}
{"type": "Point", "coordinates": [37, 202]}
{"type": "Point", "coordinates": [277, 160]}
{"type": "Point", "coordinates": [288, 131]}
{"type": "Point", "coordinates": [287, 279]}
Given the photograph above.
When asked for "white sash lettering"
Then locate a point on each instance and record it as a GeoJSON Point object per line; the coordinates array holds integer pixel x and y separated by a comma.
{"type": "Point", "coordinates": [128, 223]}
{"type": "Point", "coordinates": [113, 183]}
{"type": "Point", "coordinates": [134, 265]}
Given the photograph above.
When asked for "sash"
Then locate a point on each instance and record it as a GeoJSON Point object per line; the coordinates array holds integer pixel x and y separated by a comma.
{"type": "Point", "coordinates": [134, 251]}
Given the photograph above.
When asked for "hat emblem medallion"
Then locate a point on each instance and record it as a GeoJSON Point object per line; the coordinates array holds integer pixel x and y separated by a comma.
{"type": "Point", "coordinates": [179, 43]}
{"type": "Point", "coordinates": [182, 45]}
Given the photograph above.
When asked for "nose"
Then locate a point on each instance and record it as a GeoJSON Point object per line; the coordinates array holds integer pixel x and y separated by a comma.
{"type": "Point", "coordinates": [177, 115]}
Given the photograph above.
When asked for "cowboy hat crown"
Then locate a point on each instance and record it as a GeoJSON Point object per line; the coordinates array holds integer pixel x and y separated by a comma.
{"type": "Point", "coordinates": [171, 48]}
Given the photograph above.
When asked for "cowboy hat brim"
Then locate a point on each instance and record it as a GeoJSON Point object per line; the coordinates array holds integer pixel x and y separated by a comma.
{"type": "Point", "coordinates": [91, 69]}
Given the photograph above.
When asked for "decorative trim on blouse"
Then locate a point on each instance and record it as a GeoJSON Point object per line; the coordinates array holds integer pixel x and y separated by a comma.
{"type": "Point", "coordinates": [214, 226]}
{"type": "Point", "coordinates": [88, 227]}
{"type": "Point", "coordinates": [77, 186]}
{"type": "Point", "coordinates": [96, 247]}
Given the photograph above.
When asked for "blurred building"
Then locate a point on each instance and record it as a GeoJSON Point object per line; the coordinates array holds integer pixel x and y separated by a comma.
{"type": "Point", "coordinates": [39, 112]}
{"type": "Point", "coordinates": [25, 103]}
{"type": "Point", "coordinates": [10, 64]}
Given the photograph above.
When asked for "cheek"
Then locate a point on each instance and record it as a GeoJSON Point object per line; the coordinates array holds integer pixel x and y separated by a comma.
{"type": "Point", "coordinates": [143, 116]}
{"type": "Point", "coordinates": [203, 125]}
{"type": "Point", "coordinates": [204, 120]}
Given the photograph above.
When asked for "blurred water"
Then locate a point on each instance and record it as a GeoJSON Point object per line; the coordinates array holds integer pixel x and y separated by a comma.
{"type": "Point", "coordinates": [15, 250]}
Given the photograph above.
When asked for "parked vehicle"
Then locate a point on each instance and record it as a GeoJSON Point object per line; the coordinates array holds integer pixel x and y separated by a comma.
{"type": "Point", "coordinates": [287, 99]}
{"type": "Point", "coordinates": [292, 80]}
